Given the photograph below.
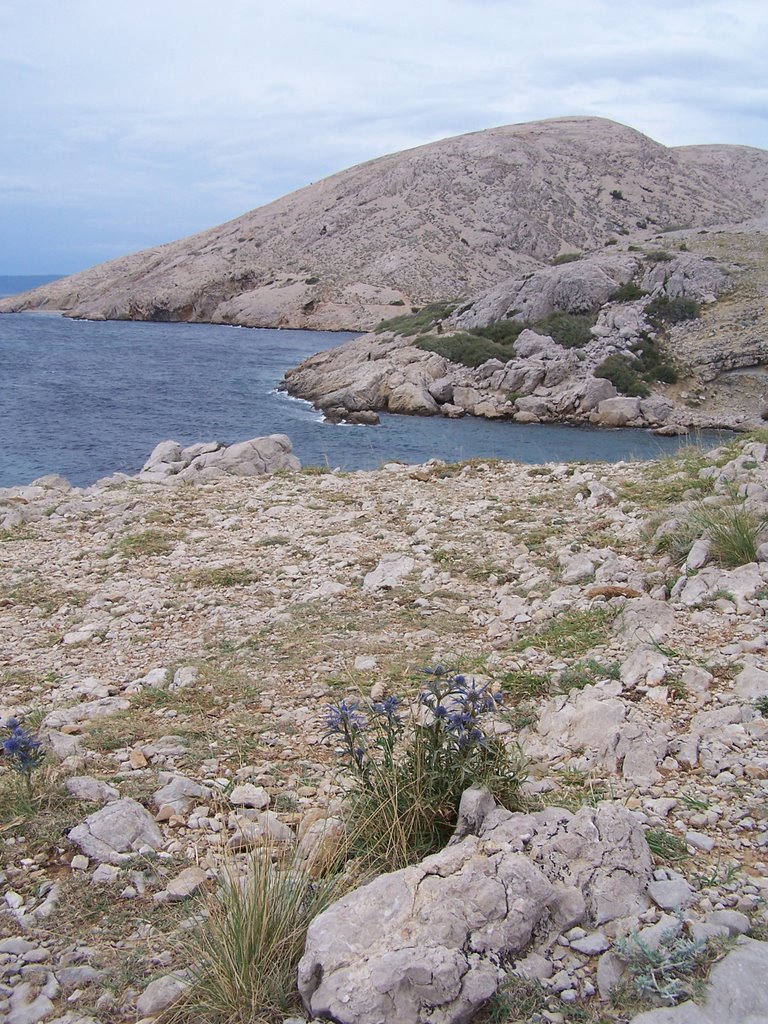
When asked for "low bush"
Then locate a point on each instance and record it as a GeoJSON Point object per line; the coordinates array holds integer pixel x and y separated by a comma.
{"type": "Point", "coordinates": [621, 371]}
{"type": "Point", "coordinates": [410, 767]}
{"type": "Point", "coordinates": [663, 973]}
{"type": "Point", "coordinates": [659, 256]}
{"type": "Point", "coordinates": [566, 257]}
{"type": "Point", "coordinates": [629, 292]}
{"type": "Point", "coordinates": [662, 310]}
{"type": "Point", "coordinates": [571, 330]}
{"type": "Point", "coordinates": [631, 374]}
{"type": "Point", "coordinates": [467, 349]}
{"type": "Point", "coordinates": [417, 322]}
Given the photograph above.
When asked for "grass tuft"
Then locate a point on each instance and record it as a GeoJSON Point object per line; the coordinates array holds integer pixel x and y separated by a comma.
{"type": "Point", "coordinates": [246, 952]}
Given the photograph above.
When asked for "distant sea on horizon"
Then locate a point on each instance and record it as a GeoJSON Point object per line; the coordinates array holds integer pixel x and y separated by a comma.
{"type": "Point", "coordinates": [86, 399]}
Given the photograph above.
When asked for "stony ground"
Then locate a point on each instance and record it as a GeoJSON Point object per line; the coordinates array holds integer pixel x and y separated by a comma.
{"type": "Point", "coordinates": [192, 636]}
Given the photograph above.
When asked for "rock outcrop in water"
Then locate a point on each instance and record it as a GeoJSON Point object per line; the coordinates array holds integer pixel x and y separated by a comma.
{"type": "Point", "coordinates": [719, 383]}
{"type": "Point", "coordinates": [443, 221]}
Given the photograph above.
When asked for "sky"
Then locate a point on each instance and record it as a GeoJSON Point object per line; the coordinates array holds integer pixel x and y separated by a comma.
{"type": "Point", "coordinates": [124, 125]}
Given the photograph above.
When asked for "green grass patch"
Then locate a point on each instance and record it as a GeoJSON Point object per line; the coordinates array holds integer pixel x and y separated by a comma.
{"type": "Point", "coordinates": [666, 846]}
{"type": "Point", "coordinates": [146, 544]}
{"type": "Point", "coordinates": [572, 633]}
{"type": "Point", "coordinates": [417, 322]}
{"type": "Point", "coordinates": [222, 576]}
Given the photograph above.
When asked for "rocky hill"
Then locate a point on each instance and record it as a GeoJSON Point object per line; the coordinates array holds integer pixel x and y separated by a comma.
{"type": "Point", "coordinates": [442, 221]}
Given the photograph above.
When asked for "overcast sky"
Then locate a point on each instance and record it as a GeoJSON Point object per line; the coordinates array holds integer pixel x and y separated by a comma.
{"type": "Point", "coordinates": [126, 123]}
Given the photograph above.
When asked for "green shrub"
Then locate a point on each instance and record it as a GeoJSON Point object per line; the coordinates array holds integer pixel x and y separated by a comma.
{"type": "Point", "coordinates": [467, 349]}
{"type": "Point", "coordinates": [618, 195]}
{"type": "Point", "coordinates": [663, 973]}
{"type": "Point", "coordinates": [566, 257]}
{"type": "Point", "coordinates": [571, 330]}
{"type": "Point", "coordinates": [419, 321]}
{"type": "Point", "coordinates": [621, 371]}
{"type": "Point", "coordinates": [659, 256]}
{"type": "Point", "coordinates": [628, 292]}
{"type": "Point", "coordinates": [504, 332]}
{"type": "Point", "coordinates": [662, 310]}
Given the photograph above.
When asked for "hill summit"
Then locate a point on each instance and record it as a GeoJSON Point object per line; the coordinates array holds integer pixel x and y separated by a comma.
{"type": "Point", "coordinates": [441, 221]}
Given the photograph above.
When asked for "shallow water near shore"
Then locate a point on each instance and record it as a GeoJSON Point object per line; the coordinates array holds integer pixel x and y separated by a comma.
{"type": "Point", "coordinates": [86, 399]}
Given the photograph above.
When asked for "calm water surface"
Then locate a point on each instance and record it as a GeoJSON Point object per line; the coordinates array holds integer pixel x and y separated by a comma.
{"type": "Point", "coordinates": [86, 399]}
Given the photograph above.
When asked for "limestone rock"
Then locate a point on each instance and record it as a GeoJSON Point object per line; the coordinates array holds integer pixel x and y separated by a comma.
{"type": "Point", "coordinates": [83, 787]}
{"type": "Point", "coordinates": [163, 993]}
{"type": "Point", "coordinates": [178, 795]}
{"type": "Point", "coordinates": [424, 939]}
{"type": "Point", "coordinates": [123, 826]}
{"type": "Point", "coordinates": [391, 572]}
{"type": "Point", "coordinates": [606, 730]}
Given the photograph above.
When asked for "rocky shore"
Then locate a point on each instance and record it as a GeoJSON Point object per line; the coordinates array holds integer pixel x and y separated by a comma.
{"type": "Point", "coordinates": [716, 358]}
{"type": "Point", "coordinates": [175, 639]}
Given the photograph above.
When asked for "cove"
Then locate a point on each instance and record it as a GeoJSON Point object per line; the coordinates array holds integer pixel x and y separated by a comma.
{"type": "Point", "coordinates": [86, 399]}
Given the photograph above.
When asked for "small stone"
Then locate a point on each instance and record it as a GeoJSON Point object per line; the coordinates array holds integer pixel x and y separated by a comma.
{"type": "Point", "coordinates": [699, 841]}
{"type": "Point", "coordinates": [79, 862]}
{"type": "Point", "coordinates": [162, 993]}
{"type": "Point", "coordinates": [248, 795]}
{"type": "Point", "coordinates": [185, 884]}
{"type": "Point", "coordinates": [670, 894]}
{"type": "Point", "coordinates": [736, 922]}
{"type": "Point", "coordinates": [365, 664]}
{"type": "Point", "coordinates": [591, 945]}
{"type": "Point", "coordinates": [137, 760]}
{"type": "Point", "coordinates": [105, 874]}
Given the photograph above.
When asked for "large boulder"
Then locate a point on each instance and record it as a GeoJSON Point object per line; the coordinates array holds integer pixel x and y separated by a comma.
{"type": "Point", "coordinates": [425, 943]}
{"type": "Point", "coordinates": [424, 940]}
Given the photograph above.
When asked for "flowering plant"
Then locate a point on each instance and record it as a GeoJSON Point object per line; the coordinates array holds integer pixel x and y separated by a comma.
{"type": "Point", "coordinates": [410, 764]}
{"type": "Point", "coordinates": [24, 751]}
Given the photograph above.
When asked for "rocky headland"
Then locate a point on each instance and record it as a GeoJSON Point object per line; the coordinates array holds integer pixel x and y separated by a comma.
{"type": "Point", "coordinates": [687, 321]}
{"type": "Point", "coordinates": [442, 222]}
{"type": "Point", "coordinates": [175, 639]}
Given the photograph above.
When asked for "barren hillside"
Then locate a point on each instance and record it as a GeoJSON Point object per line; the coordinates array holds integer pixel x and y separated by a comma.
{"type": "Point", "coordinates": [441, 221]}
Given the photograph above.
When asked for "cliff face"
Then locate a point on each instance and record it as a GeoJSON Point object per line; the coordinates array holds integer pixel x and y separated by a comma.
{"type": "Point", "coordinates": [441, 221]}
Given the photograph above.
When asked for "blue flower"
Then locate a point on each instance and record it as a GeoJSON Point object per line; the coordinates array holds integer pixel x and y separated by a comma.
{"type": "Point", "coordinates": [388, 708]}
{"type": "Point", "coordinates": [22, 748]}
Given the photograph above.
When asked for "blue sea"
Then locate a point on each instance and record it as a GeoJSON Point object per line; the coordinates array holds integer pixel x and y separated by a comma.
{"type": "Point", "coordinates": [86, 399]}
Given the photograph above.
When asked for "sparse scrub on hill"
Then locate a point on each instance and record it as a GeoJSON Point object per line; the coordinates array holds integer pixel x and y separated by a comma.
{"type": "Point", "coordinates": [571, 330]}
{"type": "Point", "coordinates": [659, 256]}
{"type": "Point", "coordinates": [496, 341]}
{"type": "Point", "coordinates": [663, 311]}
{"type": "Point", "coordinates": [632, 374]}
{"type": "Point", "coordinates": [417, 322]}
{"type": "Point", "coordinates": [566, 257]}
{"type": "Point", "coordinates": [410, 766]}
{"type": "Point", "coordinates": [629, 292]}
{"type": "Point", "coordinates": [467, 349]}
